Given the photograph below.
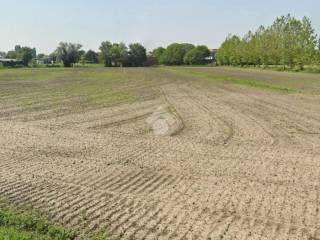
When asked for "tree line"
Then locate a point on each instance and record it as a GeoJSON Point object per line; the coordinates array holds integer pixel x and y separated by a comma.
{"type": "Point", "coordinates": [288, 42]}
{"type": "Point", "coordinates": [113, 55]}
{"type": "Point", "coordinates": [182, 53]}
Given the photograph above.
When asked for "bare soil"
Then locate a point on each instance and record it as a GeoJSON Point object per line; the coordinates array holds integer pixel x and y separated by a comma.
{"type": "Point", "coordinates": [246, 164]}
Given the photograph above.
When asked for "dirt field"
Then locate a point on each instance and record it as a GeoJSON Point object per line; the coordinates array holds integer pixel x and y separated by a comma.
{"type": "Point", "coordinates": [246, 165]}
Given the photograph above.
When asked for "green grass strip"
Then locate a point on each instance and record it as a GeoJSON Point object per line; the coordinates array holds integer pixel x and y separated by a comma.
{"type": "Point", "coordinates": [245, 82]}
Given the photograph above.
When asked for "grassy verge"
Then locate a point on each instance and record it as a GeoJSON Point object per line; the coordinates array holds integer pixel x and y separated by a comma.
{"type": "Point", "coordinates": [23, 226]}
{"type": "Point", "coordinates": [232, 80]}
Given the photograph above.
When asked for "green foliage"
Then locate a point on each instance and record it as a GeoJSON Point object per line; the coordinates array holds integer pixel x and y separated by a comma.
{"type": "Point", "coordinates": [157, 53]}
{"type": "Point", "coordinates": [115, 54]}
{"type": "Point", "coordinates": [91, 57]}
{"type": "Point", "coordinates": [101, 236]}
{"type": "Point", "coordinates": [137, 55]}
{"type": "Point", "coordinates": [29, 227]}
{"type": "Point", "coordinates": [228, 52]}
{"type": "Point", "coordinates": [105, 53]}
{"type": "Point", "coordinates": [26, 54]}
{"type": "Point", "coordinates": [174, 54]}
{"type": "Point", "coordinates": [11, 55]}
{"type": "Point", "coordinates": [317, 57]}
{"type": "Point", "coordinates": [184, 53]}
{"type": "Point", "coordinates": [119, 54]}
{"type": "Point", "coordinates": [187, 47]}
{"type": "Point", "coordinates": [197, 56]}
{"type": "Point", "coordinates": [10, 233]}
{"type": "Point", "coordinates": [288, 42]}
{"type": "Point", "coordinates": [68, 53]}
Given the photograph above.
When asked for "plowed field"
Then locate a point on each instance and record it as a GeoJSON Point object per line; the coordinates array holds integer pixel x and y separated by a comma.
{"type": "Point", "coordinates": [75, 145]}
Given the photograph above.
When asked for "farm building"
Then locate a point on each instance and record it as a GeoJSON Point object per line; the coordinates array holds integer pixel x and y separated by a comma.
{"type": "Point", "coordinates": [213, 52]}
{"type": "Point", "coordinates": [6, 62]}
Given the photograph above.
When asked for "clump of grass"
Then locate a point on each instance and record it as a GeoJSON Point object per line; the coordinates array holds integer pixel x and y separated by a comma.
{"type": "Point", "coordinates": [101, 236]}
{"type": "Point", "coordinates": [23, 226]}
{"type": "Point", "coordinates": [245, 82]}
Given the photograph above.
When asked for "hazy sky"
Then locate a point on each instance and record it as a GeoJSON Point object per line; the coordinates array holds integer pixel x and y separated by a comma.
{"type": "Point", "coordinates": [44, 23]}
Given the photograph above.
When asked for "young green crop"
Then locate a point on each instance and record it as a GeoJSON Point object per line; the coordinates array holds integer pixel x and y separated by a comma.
{"type": "Point", "coordinates": [23, 226]}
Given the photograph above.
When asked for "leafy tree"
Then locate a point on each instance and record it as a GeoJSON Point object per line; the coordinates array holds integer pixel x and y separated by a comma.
{"type": "Point", "coordinates": [41, 56]}
{"type": "Point", "coordinates": [119, 54]}
{"type": "Point", "coordinates": [174, 54]}
{"type": "Point", "coordinates": [26, 54]}
{"type": "Point", "coordinates": [137, 55]}
{"type": "Point", "coordinates": [317, 57]}
{"type": "Point", "coordinates": [306, 46]}
{"type": "Point", "coordinates": [288, 42]}
{"type": "Point", "coordinates": [187, 47]}
{"type": "Point", "coordinates": [68, 53]}
{"type": "Point", "coordinates": [12, 54]}
{"type": "Point", "coordinates": [228, 53]}
{"type": "Point", "coordinates": [82, 53]}
{"type": "Point", "coordinates": [197, 56]}
{"type": "Point", "coordinates": [157, 53]}
{"type": "Point", "coordinates": [105, 54]}
{"type": "Point", "coordinates": [17, 48]}
{"type": "Point", "coordinates": [91, 57]}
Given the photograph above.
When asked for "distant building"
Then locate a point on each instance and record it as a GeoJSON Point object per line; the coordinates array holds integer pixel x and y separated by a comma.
{"type": "Point", "coordinates": [44, 61]}
{"type": "Point", "coordinates": [213, 50]}
{"type": "Point", "coordinates": [7, 62]}
{"type": "Point", "coordinates": [213, 53]}
{"type": "Point", "coordinates": [40, 61]}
